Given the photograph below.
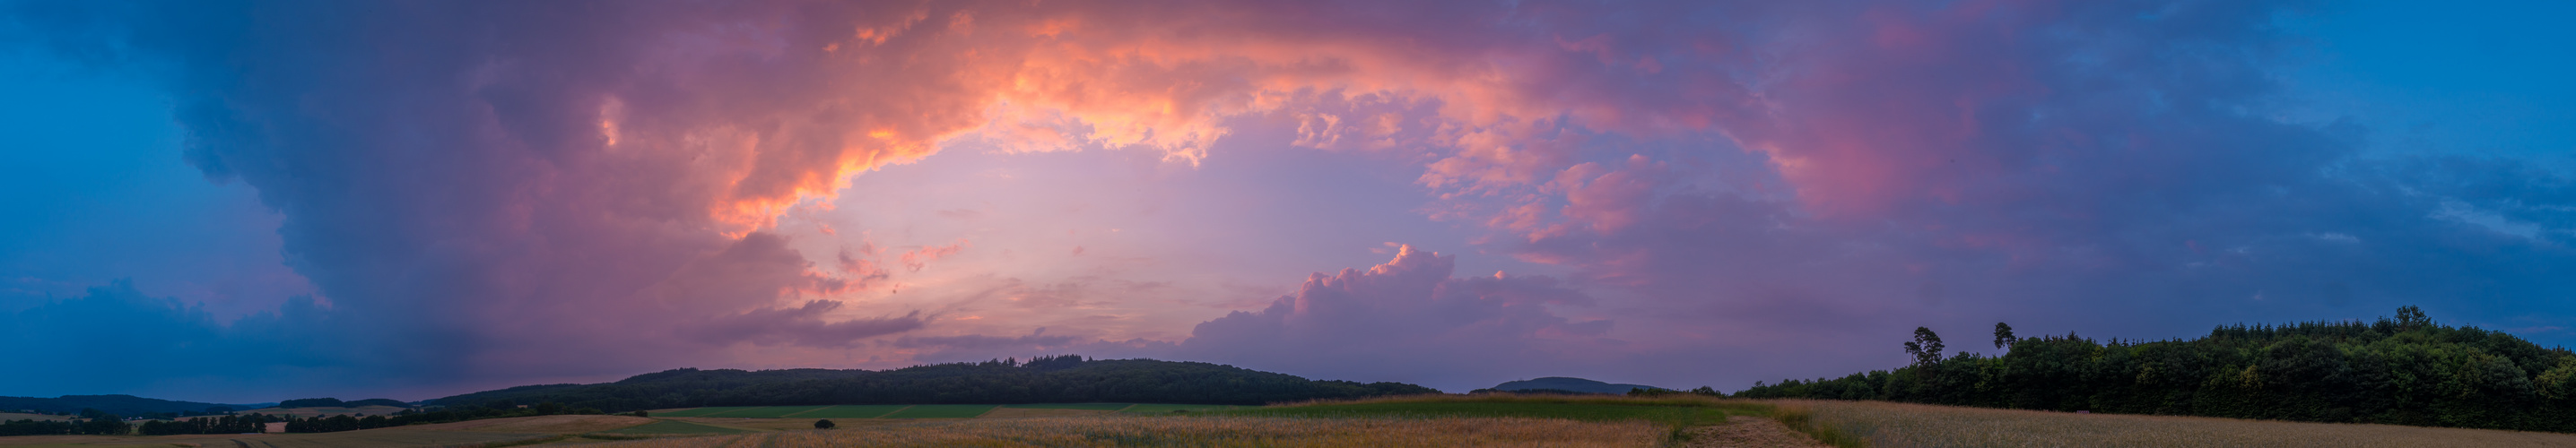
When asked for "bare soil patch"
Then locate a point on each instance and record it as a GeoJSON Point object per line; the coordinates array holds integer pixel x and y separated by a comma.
{"type": "Point", "coordinates": [1752, 432]}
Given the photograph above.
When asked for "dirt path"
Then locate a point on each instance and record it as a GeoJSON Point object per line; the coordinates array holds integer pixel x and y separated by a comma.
{"type": "Point", "coordinates": [1743, 431]}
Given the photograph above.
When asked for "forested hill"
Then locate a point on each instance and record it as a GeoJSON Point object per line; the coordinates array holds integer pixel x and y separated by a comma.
{"type": "Point", "coordinates": [114, 404]}
{"type": "Point", "coordinates": [2406, 371]}
{"type": "Point", "coordinates": [1064, 379]}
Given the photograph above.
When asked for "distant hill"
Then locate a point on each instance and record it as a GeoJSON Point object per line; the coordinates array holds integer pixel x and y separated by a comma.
{"type": "Point", "coordinates": [115, 404]}
{"type": "Point", "coordinates": [1565, 384]}
{"type": "Point", "coordinates": [1064, 379]}
{"type": "Point", "coordinates": [336, 403]}
{"type": "Point", "coordinates": [325, 411]}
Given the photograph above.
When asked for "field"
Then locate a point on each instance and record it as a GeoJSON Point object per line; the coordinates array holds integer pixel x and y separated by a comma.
{"type": "Point", "coordinates": [674, 427]}
{"type": "Point", "coordinates": [1168, 408]}
{"type": "Point", "coordinates": [1074, 406]}
{"type": "Point", "coordinates": [942, 411]}
{"type": "Point", "coordinates": [1426, 420]}
{"type": "Point", "coordinates": [851, 411]}
{"type": "Point", "coordinates": [1205, 431]}
{"type": "Point", "coordinates": [12, 416]}
{"type": "Point", "coordinates": [478, 432]}
{"type": "Point", "coordinates": [1886, 424]}
{"type": "Point", "coordinates": [763, 412]}
{"type": "Point", "coordinates": [699, 412]}
{"type": "Point", "coordinates": [1484, 420]}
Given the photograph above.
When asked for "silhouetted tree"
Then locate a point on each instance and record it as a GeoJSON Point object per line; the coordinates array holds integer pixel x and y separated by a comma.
{"type": "Point", "coordinates": [823, 424]}
{"type": "Point", "coordinates": [1926, 347]}
{"type": "Point", "coordinates": [2409, 317]}
{"type": "Point", "coordinates": [2004, 336]}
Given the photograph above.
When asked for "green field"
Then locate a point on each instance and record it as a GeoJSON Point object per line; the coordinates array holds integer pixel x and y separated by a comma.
{"type": "Point", "coordinates": [852, 411]}
{"type": "Point", "coordinates": [761, 412]}
{"type": "Point", "coordinates": [1082, 406]}
{"type": "Point", "coordinates": [942, 411]}
{"type": "Point", "coordinates": [1168, 408]}
{"type": "Point", "coordinates": [702, 412]}
{"type": "Point", "coordinates": [674, 427]}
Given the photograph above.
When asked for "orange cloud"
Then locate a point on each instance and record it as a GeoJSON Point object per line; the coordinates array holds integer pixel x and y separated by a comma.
{"type": "Point", "coordinates": [920, 258]}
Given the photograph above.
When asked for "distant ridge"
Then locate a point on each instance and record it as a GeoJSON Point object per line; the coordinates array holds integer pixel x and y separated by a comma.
{"type": "Point", "coordinates": [1569, 384]}
{"type": "Point", "coordinates": [116, 404]}
{"type": "Point", "coordinates": [336, 403]}
{"type": "Point", "coordinates": [1054, 379]}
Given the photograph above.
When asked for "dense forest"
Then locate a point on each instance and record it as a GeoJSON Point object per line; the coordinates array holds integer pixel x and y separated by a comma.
{"type": "Point", "coordinates": [1055, 379]}
{"type": "Point", "coordinates": [2406, 371]}
{"type": "Point", "coordinates": [116, 404]}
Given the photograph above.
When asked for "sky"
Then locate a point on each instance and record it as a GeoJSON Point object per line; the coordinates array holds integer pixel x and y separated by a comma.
{"type": "Point", "coordinates": [250, 201]}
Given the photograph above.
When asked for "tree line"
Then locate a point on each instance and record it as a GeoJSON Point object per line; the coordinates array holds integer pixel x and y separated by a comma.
{"type": "Point", "coordinates": [2406, 371]}
{"type": "Point", "coordinates": [92, 421]}
{"type": "Point", "coordinates": [336, 423]}
{"type": "Point", "coordinates": [1052, 379]}
{"type": "Point", "coordinates": [229, 424]}
{"type": "Point", "coordinates": [336, 403]}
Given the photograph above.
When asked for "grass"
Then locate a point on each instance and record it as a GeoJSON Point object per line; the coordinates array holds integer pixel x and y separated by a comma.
{"type": "Point", "coordinates": [701, 412]}
{"type": "Point", "coordinates": [673, 427]}
{"type": "Point", "coordinates": [942, 411]}
{"type": "Point", "coordinates": [762, 412]}
{"type": "Point", "coordinates": [1212, 431]}
{"type": "Point", "coordinates": [1079, 406]}
{"type": "Point", "coordinates": [1802, 418]}
{"type": "Point", "coordinates": [1901, 424]}
{"type": "Point", "coordinates": [851, 411]}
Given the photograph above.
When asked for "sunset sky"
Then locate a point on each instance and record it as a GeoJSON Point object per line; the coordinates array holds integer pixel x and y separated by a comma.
{"type": "Point", "coordinates": [248, 201]}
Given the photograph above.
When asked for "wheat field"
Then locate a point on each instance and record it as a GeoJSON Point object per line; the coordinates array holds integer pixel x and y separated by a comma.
{"type": "Point", "coordinates": [1901, 425]}
{"type": "Point", "coordinates": [1202, 432]}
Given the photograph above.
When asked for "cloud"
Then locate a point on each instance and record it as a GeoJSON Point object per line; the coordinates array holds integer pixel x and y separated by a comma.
{"type": "Point", "coordinates": [800, 326]}
{"type": "Point", "coordinates": [1405, 320]}
{"type": "Point", "coordinates": [570, 189]}
{"type": "Point", "coordinates": [919, 258]}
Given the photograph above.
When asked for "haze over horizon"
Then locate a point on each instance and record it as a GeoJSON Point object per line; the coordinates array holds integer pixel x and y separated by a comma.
{"type": "Point", "coordinates": [248, 201]}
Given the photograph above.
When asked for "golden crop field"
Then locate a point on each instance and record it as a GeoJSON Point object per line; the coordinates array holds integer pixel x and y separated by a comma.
{"type": "Point", "coordinates": [1897, 425]}
{"type": "Point", "coordinates": [1202, 432]}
